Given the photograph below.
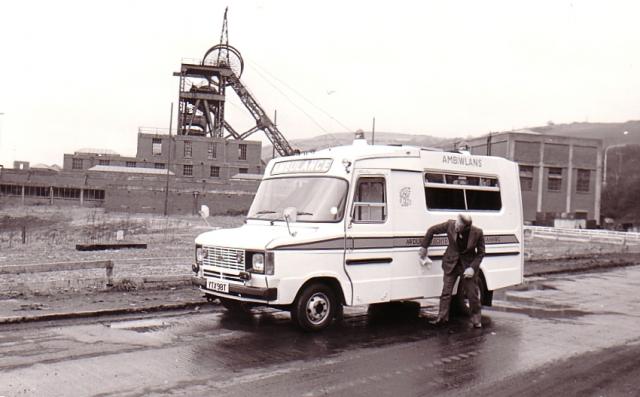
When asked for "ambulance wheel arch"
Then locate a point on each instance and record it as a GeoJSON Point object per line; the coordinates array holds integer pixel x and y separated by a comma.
{"type": "Point", "coordinates": [318, 301]}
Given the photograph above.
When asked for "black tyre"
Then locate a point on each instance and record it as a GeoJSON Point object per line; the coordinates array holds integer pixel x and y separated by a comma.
{"type": "Point", "coordinates": [315, 307]}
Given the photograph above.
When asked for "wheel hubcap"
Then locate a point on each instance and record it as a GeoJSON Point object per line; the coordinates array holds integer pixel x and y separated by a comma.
{"type": "Point", "coordinates": [317, 308]}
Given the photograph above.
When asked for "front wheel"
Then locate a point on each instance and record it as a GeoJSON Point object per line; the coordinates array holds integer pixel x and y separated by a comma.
{"type": "Point", "coordinates": [314, 308]}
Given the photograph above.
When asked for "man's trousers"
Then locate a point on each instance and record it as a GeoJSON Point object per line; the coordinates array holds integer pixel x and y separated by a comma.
{"type": "Point", "coordinates": [468, 287]}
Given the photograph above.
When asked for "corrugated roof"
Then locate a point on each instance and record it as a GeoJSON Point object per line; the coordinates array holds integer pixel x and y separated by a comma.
{"type": "Point", "coordinates": [249, 177]}
{"type": "Point", "coordinates": [98, 151]}
{"type": "Point", "coordinates": [130, 170]}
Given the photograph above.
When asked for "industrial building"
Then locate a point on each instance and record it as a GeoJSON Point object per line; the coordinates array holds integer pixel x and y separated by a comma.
{"type": "Point", "coordinates": [206, 161]}
{"type": "Point", "coordinates": [172, 174]}
{"type": "Point", "coordinates": [560, 177]}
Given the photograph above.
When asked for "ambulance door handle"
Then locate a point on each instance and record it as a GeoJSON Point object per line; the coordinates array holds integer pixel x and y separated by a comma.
{"type": "Point", "coordinates": [349, 244]}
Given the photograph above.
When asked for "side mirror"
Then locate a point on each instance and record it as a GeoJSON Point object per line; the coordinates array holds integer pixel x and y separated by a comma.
{"type": "Point", "coordinates": [204, 211]}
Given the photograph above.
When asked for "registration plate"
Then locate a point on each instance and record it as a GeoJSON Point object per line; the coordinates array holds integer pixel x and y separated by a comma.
{"type": "Point", "coordinates": [217, 286]}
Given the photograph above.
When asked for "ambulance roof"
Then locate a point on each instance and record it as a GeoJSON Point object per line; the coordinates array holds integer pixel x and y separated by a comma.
{"type": "Point", "coordinates": [361, 149]}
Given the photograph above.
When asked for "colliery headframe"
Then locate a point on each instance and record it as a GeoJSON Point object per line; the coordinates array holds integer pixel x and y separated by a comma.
{"type": "Point", "coordinates": [207, 161]}
{"type": "Point", "coordinates": [202, 97]}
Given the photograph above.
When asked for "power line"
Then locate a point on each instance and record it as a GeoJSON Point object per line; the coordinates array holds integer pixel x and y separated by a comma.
{"type": "Point", "coordinates": [291, 101]}
{"type": "Point", "coordinates": [299, 94]}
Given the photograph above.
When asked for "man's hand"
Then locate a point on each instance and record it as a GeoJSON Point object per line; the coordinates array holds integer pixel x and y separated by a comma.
{"type": "Point", "coordinates": [424, 259]}
{"type": "Point", "coordinates": [469, 272]}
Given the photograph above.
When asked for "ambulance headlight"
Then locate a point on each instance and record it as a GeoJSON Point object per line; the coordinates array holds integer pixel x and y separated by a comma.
{"type": "Point", "coordinates": [261, 262]}
{"type": "Point", "coordinates": [201, 254]}
{"type": "Point", "coordinates": [257, 262]}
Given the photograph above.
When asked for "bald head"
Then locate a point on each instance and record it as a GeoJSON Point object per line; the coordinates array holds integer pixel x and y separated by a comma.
{"type": "Point", "coordinates": [463, 221]}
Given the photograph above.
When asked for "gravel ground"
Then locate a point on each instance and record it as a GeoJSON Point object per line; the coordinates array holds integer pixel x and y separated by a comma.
{"type": "Point", "coordinates": [53, 232]}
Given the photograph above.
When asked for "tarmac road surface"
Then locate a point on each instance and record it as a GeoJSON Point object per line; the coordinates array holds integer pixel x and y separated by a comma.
{"type": "Point", "coordinates": [564, 335]}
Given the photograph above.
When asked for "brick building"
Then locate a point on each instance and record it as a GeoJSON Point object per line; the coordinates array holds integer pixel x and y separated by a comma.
{"type": "Point", "coordinates": [560, 177]}
{"type": "Point", "coordinates": [223, 174]}
{"type": "Point", "coordinates": [196, 157]}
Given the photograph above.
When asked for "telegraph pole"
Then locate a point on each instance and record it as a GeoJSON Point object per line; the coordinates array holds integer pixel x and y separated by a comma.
{"type": "Point", "coordinates": [1, 114]}
{"type": "Point", "coordinates": [373, 132]}
{"type": "Point", "coordinates": [166, 190]}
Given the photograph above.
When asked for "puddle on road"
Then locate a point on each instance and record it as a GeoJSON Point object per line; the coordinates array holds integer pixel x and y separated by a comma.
{"type": "Point", "coordinates": [141, 326]}
{"type": "Point", "coordinates": [544, 313]}
{"type": "Point", "coordinates": [523, 299]}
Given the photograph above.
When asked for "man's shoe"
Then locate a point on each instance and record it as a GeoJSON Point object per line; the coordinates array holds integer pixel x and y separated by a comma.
{"type": "Point", "coordinates": [477, 325]}
{"type": "Point", "coordinates": [438, 321]}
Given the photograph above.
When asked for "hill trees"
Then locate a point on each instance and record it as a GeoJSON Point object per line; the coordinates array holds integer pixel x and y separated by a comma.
{"type": "Point", "coordinates": [621, 195]}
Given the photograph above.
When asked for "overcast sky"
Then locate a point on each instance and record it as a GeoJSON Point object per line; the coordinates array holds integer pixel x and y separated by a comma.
{"type": "Point", "coordinates": [88, 74]}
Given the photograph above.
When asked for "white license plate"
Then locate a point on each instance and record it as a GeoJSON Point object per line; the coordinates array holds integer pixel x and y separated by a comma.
{"type": "Point", "coordinates": [217, 286]}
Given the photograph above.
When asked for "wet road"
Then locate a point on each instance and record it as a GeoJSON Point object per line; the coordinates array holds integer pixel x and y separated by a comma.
{"type": "Point", "coordinates": [570, 334]}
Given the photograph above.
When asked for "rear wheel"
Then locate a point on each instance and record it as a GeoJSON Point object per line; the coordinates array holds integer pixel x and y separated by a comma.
{"type": "Point", "coordinates": [315, 307]}
{"type": "Point", "coordinates": [460, 303]}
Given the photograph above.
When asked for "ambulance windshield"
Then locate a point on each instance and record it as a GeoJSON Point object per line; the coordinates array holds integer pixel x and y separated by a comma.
{"type": "Point", "coordinates": [312, 197]}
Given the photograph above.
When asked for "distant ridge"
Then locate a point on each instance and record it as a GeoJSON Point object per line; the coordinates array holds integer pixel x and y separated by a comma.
{"type": "Point", "coordinates": [345, 138]}
{"type": "Point", "coordinates": [610, 133]}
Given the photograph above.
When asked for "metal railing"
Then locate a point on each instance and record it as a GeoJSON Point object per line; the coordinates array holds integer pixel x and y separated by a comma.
{"type": "Point", "coordinates": [583, 235]}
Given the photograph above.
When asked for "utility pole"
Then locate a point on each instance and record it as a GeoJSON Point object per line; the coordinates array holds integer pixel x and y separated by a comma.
{"type": "Point", "coordinates": [373, 132]}
{"type": "Point", "coordinates": [1, 114]}
{"type": "Point", "coordinates": [166, 190]}
{"type": "Point", "coordinates": [275, 122]}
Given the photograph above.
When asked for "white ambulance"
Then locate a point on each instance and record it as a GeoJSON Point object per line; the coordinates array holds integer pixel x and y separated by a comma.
{"type": "Point", "coordinates": [343, 226]}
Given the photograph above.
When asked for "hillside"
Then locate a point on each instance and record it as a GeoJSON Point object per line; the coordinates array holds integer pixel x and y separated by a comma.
{"type": "Point", "coordinates": [345, 138]}
{"type": "Point", "coordinates": [610, 133]}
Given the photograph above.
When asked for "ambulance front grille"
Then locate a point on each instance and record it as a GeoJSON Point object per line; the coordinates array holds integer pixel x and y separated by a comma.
{"type": "Point", "coordinates": [227, 258]}
{"type": "Point", "coordinates": [222, 276]}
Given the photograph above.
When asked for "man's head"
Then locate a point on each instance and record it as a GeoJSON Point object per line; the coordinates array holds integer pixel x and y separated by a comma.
{"type": "Point", "coordinates": [463, 222]}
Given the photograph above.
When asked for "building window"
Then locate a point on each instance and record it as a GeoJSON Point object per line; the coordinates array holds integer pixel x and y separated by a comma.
{"type": "Point", "coordinates": [93, 194]}
{"type": "Point", "coordinates": [243, 170]}
{"type": "Point", "coordinates": [187, 170]}
{"type": "Point", "coordinates": [11, 190]}
{"type": "Point", "coordinates": [37, 191]}
{"type": "Point", "coordinates": [584, 181]}
{"type": "Point", "coordinates": [214, 172]}
{"type": "Point", "coordinates": [76, 164]}
{"type": "Point", "coordinates": [211, 151]}
{"type": "Point", "coordinates": [554, 181]}
{"type": "Point", "coordinates": [103, 162]}
{"type": "Point", "coordinates": [526, 178]}
{"type": "Point", "coordinates": [242, 151]}
{"type": "Point", "coordinates": [158, 166]}
{"type": "Point", "coordinates": [66, 193]}
{"type": "Point", "coordinates": [188, 151]}
{"type": "Point", "coordinates": [131, 164]}
{"type": "Point", "coordinates": [156, 146]}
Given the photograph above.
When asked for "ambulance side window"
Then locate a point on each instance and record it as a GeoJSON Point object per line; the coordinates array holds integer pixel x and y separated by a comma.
{"type": "Point", "coordinates": [370, 201]}
{"type": "Point", "coordinates": [462, 192]}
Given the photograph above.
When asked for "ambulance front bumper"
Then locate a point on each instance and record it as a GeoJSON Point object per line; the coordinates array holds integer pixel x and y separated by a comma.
{"type": "Point", "coordinates": [239, 291]}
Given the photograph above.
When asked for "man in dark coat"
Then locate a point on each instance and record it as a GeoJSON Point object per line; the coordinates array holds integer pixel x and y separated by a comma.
{"type": "Point", "coordinates": [461, 259]}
